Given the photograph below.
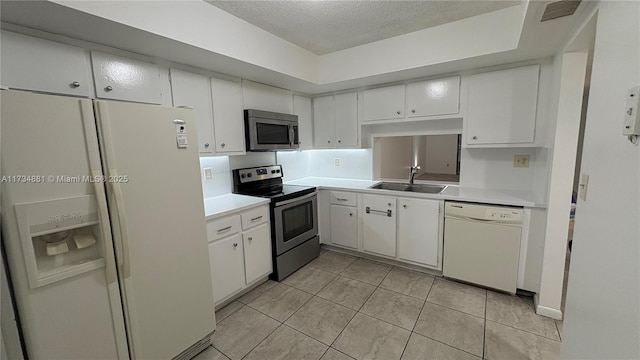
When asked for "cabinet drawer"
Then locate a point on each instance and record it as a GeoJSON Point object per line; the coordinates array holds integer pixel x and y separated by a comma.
{"type": "Point", "coordinates": [254, 217]}
{"type": "Point", "coordinates": [219, 228]}
{"type": "Point", "coordinates": [344, 198]}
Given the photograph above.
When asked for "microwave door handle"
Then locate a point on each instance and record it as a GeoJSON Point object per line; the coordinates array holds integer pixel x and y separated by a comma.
{"type": "Point", "coordinates": [291, 135]}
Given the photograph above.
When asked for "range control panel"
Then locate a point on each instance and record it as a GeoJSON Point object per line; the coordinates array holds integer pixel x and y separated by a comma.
{"type": "Point", "coordinates": [259, 173]}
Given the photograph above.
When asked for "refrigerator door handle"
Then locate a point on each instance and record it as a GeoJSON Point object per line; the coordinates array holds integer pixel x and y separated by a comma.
{"type": "Point", "coordinates": [104, 228]}
{"type": "Point", "coordinates": [122, 224]}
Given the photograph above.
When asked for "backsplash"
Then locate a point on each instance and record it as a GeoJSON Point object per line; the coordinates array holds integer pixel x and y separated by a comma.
{"type": "Point", "coordinates": [220, 184]}
{"type": "Point", "coordinates": [493, 169]}
{"type": "Point", "coordinates": [295, 164]}
{"type": "Point", "coordinates": [354, 163]}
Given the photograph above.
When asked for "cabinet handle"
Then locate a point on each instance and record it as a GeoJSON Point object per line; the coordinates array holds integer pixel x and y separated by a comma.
{"type": "Point", "coordinates": [250, 239]}
{"type": "Point", "coordinates": [256, 218]}
{"type": "Point", "coordinates": [341, 199]}
{"type": "Point", "coordinates": [339, 141]}
{"type": "Point", "coordinates": [389, 204]}
{"type": "Point", "coordinates": [404, 206]}
{"type": "Point", "coordinates": [235, 245]}
{"type": "Point", "coordinates": [475, 138]}
{"type": "Point", "coordinates": [206, 144]}
{"type": "Point", "coordinates": [369, 210]}
{"type": "Point", "coordinates": [223, 145]}
{"type": "Point", "coordinates": [329, 141]}
{"type": "Point", "coordinates": [108, 88]}
{"type": "Point", "coordinates": [350, 214]}
{"type": "Point", "coordinates": [75, 84]}
{"type": "Point", "coordinates": [413, 111]}
{"type": "Point", "coordinates": [398, 112]}
{"type": "Point", "coordinates": [224, 229]}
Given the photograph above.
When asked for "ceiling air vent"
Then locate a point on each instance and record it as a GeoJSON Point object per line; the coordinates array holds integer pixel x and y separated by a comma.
{"type": "Point", "coordinates": [560, 9]}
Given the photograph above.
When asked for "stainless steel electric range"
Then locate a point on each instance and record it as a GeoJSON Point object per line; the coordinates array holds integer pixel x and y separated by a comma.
{"type": "Point", "coordinates": [294, 216]}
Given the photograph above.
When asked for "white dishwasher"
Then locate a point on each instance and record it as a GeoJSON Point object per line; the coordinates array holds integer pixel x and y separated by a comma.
{"type": "Point", "coordinates": [482, 244]}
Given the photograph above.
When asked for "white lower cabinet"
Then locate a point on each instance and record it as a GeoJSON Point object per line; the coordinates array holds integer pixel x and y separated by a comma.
{"type": "Point", "coordinates": [344, 226]}
{"type": "Point", "coordinates": [257, 244]}
{"type": "Point", "coordinates": [239, 254]}
{"type": "Point", "coordinates": [419, 231]}
{"type": "Point", "coordinates": [379, 225]}
{"type": "Point", "coordinates": [227, 266]}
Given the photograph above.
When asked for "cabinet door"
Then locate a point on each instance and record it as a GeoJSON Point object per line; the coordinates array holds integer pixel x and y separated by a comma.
{"type": "Point", "coordinates": [227, 266]}
{"type": "Point", "coordinates": [323, 122]}
{"type": "Point", "coordinates": [120, 78]}
{"type": "Point", "coordinates": [30, 63]}
{"type": "Point", "coordinates": [419, 231]}
{"type": "Point", "coordinates": [344, 226]}
{"type": "Point", "coordinates": [267, 98]}
{"type": "Point", "coordinates": [384, 103]}
{"type": "Point", "coordinates": [346, 120]}
{"type": "Point", "coordinates": [502, 106]}
{"type": "Point", "coordinates": [257, 252]}
{"type": "Point", "coordinates": [228, 117]}
{"type": "Point", "coordinates": [433, 97]}
{"type": "Point", "coordinates": [194, 90]}
{"type": "Point", "coordinates": [302, 108]}
{"type": "Point", "coordinates": [378, 228]}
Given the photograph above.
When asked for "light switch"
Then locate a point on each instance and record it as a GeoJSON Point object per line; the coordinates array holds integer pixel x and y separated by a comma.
{"type": "Point", "coordinates": [208, 173]}
{"type": "Point", "coordinates": [582, 187]}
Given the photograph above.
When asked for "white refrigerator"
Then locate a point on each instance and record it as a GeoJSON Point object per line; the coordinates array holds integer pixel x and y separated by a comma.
{"type": "Point", "coordinates": [103, 222]}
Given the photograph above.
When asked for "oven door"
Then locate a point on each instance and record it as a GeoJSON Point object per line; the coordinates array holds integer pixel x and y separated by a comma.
{"type": "Point", "coordinates": [296, 221]}
{"type": "Point", "coordinates": [270, 134]}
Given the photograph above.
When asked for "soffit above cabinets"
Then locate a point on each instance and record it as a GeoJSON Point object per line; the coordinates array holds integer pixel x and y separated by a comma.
{"type": "Point", "coordinates": [197, 34]}
{"type": "Point", "coordinates": [324, 27]}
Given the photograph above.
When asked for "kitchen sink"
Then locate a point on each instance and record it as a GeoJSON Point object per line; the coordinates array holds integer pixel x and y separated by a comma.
{"type": "Point", "coordinates": [419, 188]}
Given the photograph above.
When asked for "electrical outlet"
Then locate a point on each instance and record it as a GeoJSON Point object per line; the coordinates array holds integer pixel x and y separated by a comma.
{"type": "Point", "coordinates": [336, 162]}
{"type": "Point", "coordinates": [521, 161]}
{"type": "Point", "coordinates": [208, 173]}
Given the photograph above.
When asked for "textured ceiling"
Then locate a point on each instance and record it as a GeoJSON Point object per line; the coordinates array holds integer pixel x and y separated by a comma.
{"type": "Point", "coordinates": [326, 26]}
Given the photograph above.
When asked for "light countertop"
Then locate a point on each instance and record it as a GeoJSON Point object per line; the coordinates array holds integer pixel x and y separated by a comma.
{"type": "Point", "coordinates": [453, 192]}
{"type": "Point", "coordinates": [218, 206]}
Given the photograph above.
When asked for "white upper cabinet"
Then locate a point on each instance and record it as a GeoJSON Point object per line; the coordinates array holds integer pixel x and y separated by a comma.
{"type": "Point", "coordinates": [30, 63]}
{"type": "Point", "coordinates": [335, 119]}
{"type": "Point", "coordinates": [323, 122]}
{"type": "Point", "coordinates": [433, 97]}
{"type": "Point", "coordinates": [267, 98]}
{"type": "Point", "coordinates": [228, 116]}
{"type": "Point", "coordinates": [346, 119]}
{"type": "Point", "coordinates": [384, 103]}
{"type": "Point", "coordinates": [302, 108]}
{"type": "Point", "coordinates": [194, 90]}
{"type": "Point", "coordinates": [120, 78]}
{"type": "Point", "coordinates": [502, 107]}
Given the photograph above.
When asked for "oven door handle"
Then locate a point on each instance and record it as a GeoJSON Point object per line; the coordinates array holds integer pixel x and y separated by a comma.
{"type": "Point", "coordinates": [287, 202]}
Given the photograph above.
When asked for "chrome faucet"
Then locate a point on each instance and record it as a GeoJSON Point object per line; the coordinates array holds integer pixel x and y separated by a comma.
{"type": "Point", "coordinates": [412, 173]}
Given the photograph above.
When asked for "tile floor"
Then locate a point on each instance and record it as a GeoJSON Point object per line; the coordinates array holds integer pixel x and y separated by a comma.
{"type": "Point", "coordinates": [343, 307]}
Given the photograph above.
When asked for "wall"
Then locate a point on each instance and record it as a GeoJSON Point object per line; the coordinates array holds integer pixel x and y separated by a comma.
{"type": "Point", "coordinates": [354, 163]}
{"type": "Point", "coordinates": [441, 154]}
{"type": "Point", "coordinates": [395, 156]}
{"type": "Point", "coordinates": [221, 182]}
{"type": "Point", "coordinates": [295, 164]}
{"type": "Point", "coordinates": [603, 305]}
{"type": "Point", "coordinates": [493, 169]}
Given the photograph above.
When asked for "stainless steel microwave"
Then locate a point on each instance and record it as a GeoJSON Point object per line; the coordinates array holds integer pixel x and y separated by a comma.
{"type": "Point", "coordinates": [270, 131]}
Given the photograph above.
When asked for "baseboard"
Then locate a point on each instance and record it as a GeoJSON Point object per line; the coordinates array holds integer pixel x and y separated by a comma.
{"type": "Point", "coordinates": [547, 311]}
